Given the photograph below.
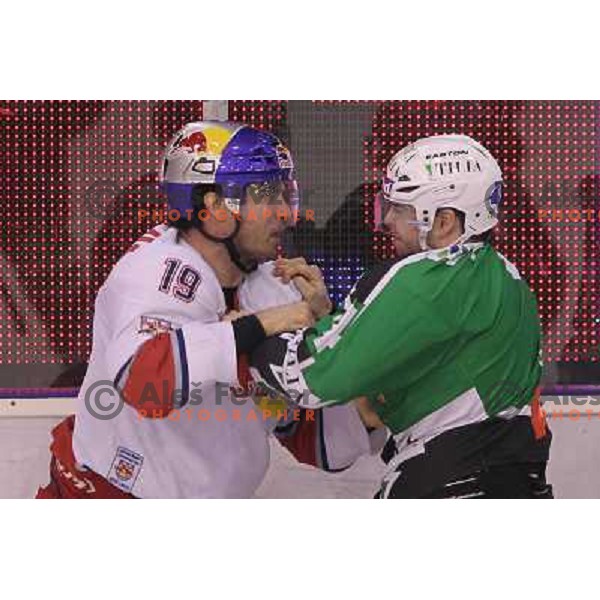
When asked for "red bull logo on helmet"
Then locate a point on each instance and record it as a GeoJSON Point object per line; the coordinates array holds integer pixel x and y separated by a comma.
{"type": "Point", "coordinates": [204, 144]}
{"type": "Point", "coordinates": [192, 143]}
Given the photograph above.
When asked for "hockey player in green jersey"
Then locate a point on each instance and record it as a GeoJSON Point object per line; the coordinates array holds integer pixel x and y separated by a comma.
{"type": "Point", "coordinates": [444, 341]}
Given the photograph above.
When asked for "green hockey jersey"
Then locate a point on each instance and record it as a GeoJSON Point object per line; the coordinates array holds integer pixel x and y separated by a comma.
{"type": "Point", "coordinates": [448, 337]}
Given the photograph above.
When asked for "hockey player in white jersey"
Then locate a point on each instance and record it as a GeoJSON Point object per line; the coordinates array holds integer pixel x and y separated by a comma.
{"type": "Point", "coordinates": [164, 410]}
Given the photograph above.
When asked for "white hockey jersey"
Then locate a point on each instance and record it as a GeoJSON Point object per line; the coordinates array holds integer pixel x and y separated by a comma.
{"type": "Point", "coordinates": [156, 415]}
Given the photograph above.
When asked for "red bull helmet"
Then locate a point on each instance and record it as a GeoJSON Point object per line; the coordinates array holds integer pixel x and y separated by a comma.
{"type": "Point", "coordinates": [239, 159]}
{"type": "Point", "coordinates": [231, 155]}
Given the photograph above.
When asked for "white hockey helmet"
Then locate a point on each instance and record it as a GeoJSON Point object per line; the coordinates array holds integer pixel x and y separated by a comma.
{"type": "Point", "coordinates": [444, 171]}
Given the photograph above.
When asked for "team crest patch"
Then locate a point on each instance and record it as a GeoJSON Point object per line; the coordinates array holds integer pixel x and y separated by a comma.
{"type": "Point", "coordinates": [154, 325]}
{"type": "Point", "coordinates": [493, 198]}
{"type": "Point", "coordinates": [125, 468]}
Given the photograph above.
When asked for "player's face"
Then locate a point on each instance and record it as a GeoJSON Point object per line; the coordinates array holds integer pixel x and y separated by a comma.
{"type": "Point", "coordinates": [398, 223]}
{"type": "Point", "coordinates": [264, 222]}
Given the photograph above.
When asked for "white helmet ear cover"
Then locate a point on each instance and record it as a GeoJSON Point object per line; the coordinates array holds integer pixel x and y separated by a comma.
{"type": "Point", "coordinates": [428, 199]}
{"type": "Point", "coordinates": [478, 217]}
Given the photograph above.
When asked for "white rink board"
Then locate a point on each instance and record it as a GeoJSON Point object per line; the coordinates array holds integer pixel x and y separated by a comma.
{"type": "Point", "coordinates": [24, 457]}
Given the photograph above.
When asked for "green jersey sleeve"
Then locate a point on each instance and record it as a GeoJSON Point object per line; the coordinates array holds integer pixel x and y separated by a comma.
{"type": "Point", "coordinates": [386, 333]}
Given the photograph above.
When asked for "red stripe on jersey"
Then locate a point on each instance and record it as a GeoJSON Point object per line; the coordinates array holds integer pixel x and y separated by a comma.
{"type": "Point", "coordinates": [538, 416]}
{"type": "Point", "coordinates": [150, 383]}
{"type": "Point", "coordinates": [149, 236]}
{"type": "Point", "coordinates": [243, 373]}
{"type": "Point", "coordinates": [303, 441]}
{"type": "Point", "coordinates": [153, 232]}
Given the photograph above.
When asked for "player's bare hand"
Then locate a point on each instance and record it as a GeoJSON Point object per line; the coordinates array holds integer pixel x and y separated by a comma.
{"type": "Point", "coordinates": [289, 268]}
{"type": "Point", "coordinates": [369, 417]}
{"type": "Point", "coordinates": [309, 281]}
{"type": "Point", "coordinates": [286, 318]}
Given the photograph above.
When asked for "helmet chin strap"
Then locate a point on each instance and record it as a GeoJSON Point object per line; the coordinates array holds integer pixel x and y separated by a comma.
{"type": "Point", "coordinates": [234, 254]}
{"type": "Point", "coordinates": [424, 229]}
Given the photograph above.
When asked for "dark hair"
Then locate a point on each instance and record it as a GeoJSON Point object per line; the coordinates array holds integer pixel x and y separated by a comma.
{"type": "Point", "coordinates": [198, 193]}
{"type": "Point", "coordinates": [485, 237]}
